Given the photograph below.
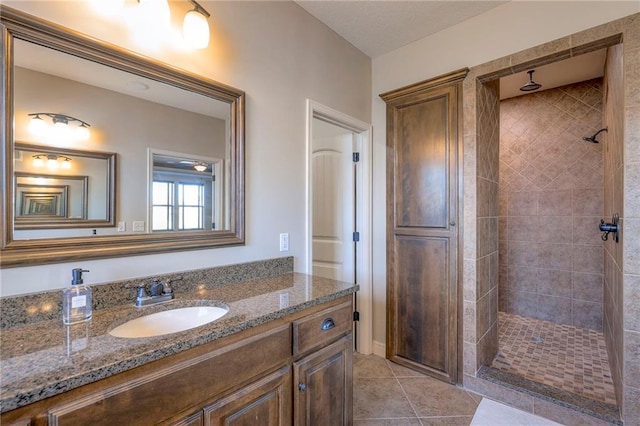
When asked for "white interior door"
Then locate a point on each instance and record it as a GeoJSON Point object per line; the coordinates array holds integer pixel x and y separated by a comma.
{"type": "Point", "coordinates": [333, 203]}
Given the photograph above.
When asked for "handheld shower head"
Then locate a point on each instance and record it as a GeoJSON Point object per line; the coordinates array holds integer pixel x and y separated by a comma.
{"type": "Point", "coordinates": [593, 139]}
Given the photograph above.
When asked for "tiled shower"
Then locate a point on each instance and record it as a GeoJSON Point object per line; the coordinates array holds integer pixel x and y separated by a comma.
{"type": "Point", "coordinates": [551, 202]}
{"type": "Point", "coordinates": [621, 178]}
{"type": "Point", "coordinates": [551, 264]}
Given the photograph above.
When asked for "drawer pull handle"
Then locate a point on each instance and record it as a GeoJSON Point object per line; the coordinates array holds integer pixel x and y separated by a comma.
{"type": "Point", "coordinates": [327, 324]}
{"type": "Point", "coordinates": [302, 387]}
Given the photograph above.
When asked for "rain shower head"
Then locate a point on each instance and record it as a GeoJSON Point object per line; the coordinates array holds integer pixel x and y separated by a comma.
{"type": "Point", "coordinates": [593, 139]}
{"type": "Point", "coordinates": [531, 85]}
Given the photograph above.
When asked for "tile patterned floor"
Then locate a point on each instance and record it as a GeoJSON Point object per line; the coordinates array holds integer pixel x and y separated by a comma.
{"type": "Point", "coordinates": [559, 355]}
{"type": "Point", "coordinates": [389, 394]}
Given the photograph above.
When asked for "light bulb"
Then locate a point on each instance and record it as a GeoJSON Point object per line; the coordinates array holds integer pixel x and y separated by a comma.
{"type": "Point", "coordinates": [52, 162]}
{"type": "Point", "coordinates": [66, 164]}
{"type": "Point", "coordinates": [195, 30]}
{"type": "Point", "coordinates": [37, 126]}
{"type": "Point", "coordinates": [61, 131]}
{"type": "Point", "coordinates": [38, 161]}
{"type": "Point", "coordinates": [201, 167]}
{"type": "Point", "coordinates": [82, 132]}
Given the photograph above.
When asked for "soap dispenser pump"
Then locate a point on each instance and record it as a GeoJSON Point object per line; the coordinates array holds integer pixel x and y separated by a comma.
{"type": "Point", "coordinates": [77, 300]}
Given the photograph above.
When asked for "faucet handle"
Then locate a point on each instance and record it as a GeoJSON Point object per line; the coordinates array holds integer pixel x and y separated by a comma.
{"type": "Point", "coordinates": [166, 287]}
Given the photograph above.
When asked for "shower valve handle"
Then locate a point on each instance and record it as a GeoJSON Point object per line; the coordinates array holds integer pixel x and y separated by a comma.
{"type": "Point", "coordinates": [612, 227]}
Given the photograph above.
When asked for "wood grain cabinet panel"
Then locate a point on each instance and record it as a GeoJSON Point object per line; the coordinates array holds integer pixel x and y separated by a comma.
{"type": "Point", "coordinates": [423, 191]}
{"type": "Point", "coordinates": [266, 403]}
{"type": "Point", "coordinates": [323, 391]}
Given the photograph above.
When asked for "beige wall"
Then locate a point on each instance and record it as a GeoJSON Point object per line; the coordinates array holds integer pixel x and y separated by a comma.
{"type": "Point", "coordinates": [502, 31]}
{"type": "Point", "coordinates": [270, 50]}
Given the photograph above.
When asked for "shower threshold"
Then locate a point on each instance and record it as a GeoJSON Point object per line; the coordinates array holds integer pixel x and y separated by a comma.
{"type": "Point", "coordinates": [598, 409]}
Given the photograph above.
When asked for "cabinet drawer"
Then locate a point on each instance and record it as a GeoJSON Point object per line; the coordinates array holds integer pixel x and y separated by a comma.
{"type": "Point", "coordinates": [319, 329]}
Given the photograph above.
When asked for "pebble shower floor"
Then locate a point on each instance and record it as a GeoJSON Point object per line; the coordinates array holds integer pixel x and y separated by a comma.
{"type": "Point", "coordinates": [559, 355]}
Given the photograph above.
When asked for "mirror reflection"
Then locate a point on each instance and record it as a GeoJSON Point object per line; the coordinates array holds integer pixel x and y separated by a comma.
{"type": "Point", "coordinates": [122, 113]}
{"type": "Point", "coordinates": [84, 96]}
{"type": "Point", "coordinates": [186, 192]}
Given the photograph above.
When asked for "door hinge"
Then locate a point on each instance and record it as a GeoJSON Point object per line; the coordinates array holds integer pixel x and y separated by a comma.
{"type": "Point", "coordinates": [213, 178]}
{"type": "Point", "coordinates": [356, 316]}
{"type": "Point", "coordinates": [356, 157]}
{"type": "Point", "coordinates": [356, 236]}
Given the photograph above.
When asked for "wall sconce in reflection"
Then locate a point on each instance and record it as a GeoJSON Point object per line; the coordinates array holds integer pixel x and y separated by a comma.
{"type": "Point", "coordinates": [59, 129]}
{"type": "Point", "coordinates": [52, 161]}
{"type": "Point", "coordinates": [201, 167]}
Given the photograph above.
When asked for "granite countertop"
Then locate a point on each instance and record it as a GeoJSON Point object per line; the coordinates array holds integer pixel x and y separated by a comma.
{"type": "Point", "coordinates": [46, 358]}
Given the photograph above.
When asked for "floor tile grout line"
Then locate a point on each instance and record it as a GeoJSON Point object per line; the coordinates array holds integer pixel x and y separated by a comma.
{"type": "Point", "coordinates": [415, 412]}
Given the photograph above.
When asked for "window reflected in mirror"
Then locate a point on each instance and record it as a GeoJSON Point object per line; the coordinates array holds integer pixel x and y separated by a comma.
{"type": "Point", "coordinates": [186, 192]}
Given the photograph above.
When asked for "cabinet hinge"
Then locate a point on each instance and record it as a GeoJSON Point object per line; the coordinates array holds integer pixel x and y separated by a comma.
{"type": "Point", "coordinates": [356, 157]}
{"type": "Point", "coordinates": [356, 236]}
{"type": "Point", "coordinates": [356, 316]}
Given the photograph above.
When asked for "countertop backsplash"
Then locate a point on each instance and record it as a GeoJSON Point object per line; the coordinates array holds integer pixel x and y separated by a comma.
{"type": "Point", "coordinates": [31, 308]}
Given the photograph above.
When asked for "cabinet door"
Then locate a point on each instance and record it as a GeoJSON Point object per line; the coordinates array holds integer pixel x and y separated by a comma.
{"type": "Point", "coordinates": [323, 386]}
{"type": "Point", "coordinates": [266, 402]}
{"type": "Point", "coordinates": [422, 237]}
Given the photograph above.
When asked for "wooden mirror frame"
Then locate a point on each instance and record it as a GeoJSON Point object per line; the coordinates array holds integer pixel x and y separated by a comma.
{"type": "Point", "coordinates": [14, 253]}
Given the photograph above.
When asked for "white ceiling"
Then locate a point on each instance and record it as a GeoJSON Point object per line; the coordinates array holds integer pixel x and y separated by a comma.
{"type": "Point", "coordinates": [377, 27]}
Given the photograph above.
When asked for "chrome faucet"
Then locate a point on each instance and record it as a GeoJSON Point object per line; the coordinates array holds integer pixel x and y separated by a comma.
{"type": "Point", "coordinates": [157, 292]}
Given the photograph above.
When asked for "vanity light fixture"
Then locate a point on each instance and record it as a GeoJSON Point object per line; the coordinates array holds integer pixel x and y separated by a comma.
{"type": "Point", "coordinates": [201, 167]}
{"type": "Point", "coordinates": [195, 28]}
{"type": "Point", "coordinates": [60, 126]}
{"type": "Point", "coordinates": [52, 161]}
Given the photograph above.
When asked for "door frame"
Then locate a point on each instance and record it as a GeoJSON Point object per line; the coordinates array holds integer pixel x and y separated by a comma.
{"type": "Point", "coordinates": [362, 130]}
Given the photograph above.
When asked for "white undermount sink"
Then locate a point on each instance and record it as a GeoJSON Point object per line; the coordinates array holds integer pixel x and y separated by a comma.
{"type": "Point", "coordinates": [167, 322]}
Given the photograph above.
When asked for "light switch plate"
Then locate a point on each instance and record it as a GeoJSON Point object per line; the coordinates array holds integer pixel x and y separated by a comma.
{"type": "Point", "coordinates": [138, 226]}
{"type": "Point", "coordinates": [122, 226]}
{"type": "Point", "coordinates": [284, 242]}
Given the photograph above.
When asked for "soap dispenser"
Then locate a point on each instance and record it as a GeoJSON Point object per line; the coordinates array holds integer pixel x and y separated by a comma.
{"type": "Point", "coordinates": [77, 300]}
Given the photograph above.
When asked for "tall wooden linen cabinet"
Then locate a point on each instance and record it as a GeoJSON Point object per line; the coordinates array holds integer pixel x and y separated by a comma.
{"type": "Point", "coordinates": [424, 193]}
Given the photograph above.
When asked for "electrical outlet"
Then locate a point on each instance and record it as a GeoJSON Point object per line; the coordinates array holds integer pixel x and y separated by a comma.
{"type": "Point", "coordinates": [122, 226]}
{"type": "Point", "coordinates": [138, 226]}
{"type": "Point", "coordinates": [284, 242]}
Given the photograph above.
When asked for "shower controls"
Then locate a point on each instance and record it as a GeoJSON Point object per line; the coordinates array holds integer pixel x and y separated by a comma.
{"type": "Point", "coordinates": [612, 227]}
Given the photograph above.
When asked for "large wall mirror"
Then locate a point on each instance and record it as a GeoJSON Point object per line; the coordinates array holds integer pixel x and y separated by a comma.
{"type": "Point", "coordinates": [161, 170]}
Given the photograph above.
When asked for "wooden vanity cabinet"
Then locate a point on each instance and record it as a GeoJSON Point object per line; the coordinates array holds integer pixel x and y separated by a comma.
{"type": "Point", "coordinates": [295, 370]}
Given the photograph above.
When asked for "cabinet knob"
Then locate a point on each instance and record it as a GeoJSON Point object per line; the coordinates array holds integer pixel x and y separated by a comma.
{"type": "Point", "coordinates": [302, 387]}
{"type": "Point", "coordinates": [327, 324]}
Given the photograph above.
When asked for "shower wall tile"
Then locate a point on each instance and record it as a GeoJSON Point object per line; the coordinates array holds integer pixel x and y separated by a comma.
{"type": "Point", "coordinates": [522, 203]}
{"type": "Point", "coordinates": [587, 314]}
{"type": "Point", "coordinates": [554, 256]}
{"type": "Point", "coordinates": [555, 203]}
{"type": "Point", "coordinates": [487, 236]}
{"type": "Point", "coordinates": [585, 286]}
{"type": "Point", "coordinates": [631, 407]}
{"type": "Point", "coordinates": [632, 134]}
{"type": "Point", "coordinates": [632, 182]}
{"type": "Point", "coordinates": [552, 282]}
{"type": "Point", "coordinates": [551, 182]}
{"type": "Point", "coordinates": [632, 302]}
{"type": "Point", "coordinates": [554, 309]}
{"type": "Point", "coordinates": [631, 227]}
{"type": "Point", "coordinates": [587, 259]}
{"type": "Point", "coordinates": [586, 230]}
{"type": "Point", "coordinates": [483, 276]}
{"type": "Point", "coordinates": [587, 202]}
{"type": "Point", "coordinates": [554, 229]}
